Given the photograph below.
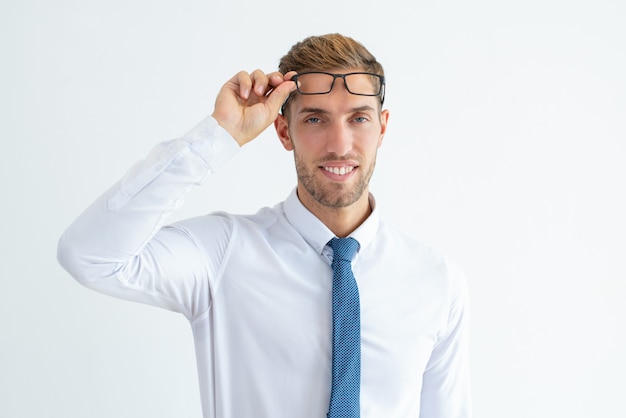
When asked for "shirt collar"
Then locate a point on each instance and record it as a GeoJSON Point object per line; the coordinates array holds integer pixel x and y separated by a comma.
{"type": "Point", "coordinates": [316, 234]}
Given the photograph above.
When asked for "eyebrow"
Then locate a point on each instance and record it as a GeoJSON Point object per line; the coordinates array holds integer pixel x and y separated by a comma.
{"type": "Point", "coordinates": [365, 108]}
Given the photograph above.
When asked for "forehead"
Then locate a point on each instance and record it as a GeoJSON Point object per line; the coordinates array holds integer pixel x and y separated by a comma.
{"type": "Point", "coordinates": [333, 70]}
{"type": "Point", "coordinates": [337, 101]}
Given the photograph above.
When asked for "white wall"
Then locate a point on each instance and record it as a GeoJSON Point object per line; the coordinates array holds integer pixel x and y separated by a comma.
{"type": "Point", "coordinates": [506, 149]}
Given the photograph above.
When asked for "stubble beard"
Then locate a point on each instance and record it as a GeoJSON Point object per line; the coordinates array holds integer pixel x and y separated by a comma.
{"type": "Point", "coordinates": [333, 195]}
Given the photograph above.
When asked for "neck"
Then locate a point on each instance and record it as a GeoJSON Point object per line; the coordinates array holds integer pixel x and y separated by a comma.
{"type": "Point", "coordinates": [340, 220]}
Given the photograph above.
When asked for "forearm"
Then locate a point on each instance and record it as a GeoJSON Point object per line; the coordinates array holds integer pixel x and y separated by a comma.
{"type": "Point", "coordinates": [119, 224]}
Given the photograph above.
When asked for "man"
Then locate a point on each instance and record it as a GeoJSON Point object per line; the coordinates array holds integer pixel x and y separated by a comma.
{"type": "Point", "coordinates": [281, 330]}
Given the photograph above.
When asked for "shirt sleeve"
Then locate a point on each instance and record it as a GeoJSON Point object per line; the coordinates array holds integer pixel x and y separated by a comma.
{"type": "Point", "coordinates": [119, 245]}
{"type": "Point", "coordinates": [446, 380]}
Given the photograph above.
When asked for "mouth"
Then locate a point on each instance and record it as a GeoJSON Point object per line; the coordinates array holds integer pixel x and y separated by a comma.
{"type": "Point", "coordinates": [339, 171]}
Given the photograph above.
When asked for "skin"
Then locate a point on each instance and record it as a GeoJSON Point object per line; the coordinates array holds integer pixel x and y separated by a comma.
{"type": "Point", "coordinates": [335, 138]}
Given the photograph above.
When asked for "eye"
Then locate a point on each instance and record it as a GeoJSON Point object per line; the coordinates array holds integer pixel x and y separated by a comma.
{"type": "Point", "coordinates": [313, 120]}
{"type": "Point", "coordinates": [361, 119]}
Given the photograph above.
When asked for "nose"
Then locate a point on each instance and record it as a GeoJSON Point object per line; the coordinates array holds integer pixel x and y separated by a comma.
{"type": "Point", "coordinates": [339, 140]}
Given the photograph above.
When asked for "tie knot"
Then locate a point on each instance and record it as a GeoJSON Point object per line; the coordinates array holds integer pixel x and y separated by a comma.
{"type": "Point", "coordinates": [344, 248]}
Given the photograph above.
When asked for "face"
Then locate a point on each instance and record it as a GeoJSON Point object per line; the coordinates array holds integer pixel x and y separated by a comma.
{"type": "Point", "coordinates": [335, 138]}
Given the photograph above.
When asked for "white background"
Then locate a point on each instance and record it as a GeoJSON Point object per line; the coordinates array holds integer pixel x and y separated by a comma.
{"type": "Point", "coordinates": [506, 149]}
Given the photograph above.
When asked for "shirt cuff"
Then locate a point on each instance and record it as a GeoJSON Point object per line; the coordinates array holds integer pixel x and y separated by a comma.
{"type": "Point", "coordinates": [212, 143]}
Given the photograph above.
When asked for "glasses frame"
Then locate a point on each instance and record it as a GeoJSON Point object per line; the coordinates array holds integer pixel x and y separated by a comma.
{"type": "Point", "coordinates": [381, 89]}
{"type": "Point", "coordinates": [380, 93]}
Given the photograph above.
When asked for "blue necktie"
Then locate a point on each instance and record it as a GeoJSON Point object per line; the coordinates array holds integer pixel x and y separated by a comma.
{"type": "Point", "coordinates": [346, 367]}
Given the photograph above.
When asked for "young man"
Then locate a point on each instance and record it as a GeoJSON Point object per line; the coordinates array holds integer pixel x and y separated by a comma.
{"type": "Point", "coordinates": [285, 324]}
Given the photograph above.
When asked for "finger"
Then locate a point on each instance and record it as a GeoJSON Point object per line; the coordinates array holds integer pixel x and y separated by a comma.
{"type": "Point", "coordinates": [289, 75]}
{"type": "Point", "coordinates": [260, 82]}
{"type": "Point", "coordinates": [275, 78]}
{"type": "Point", "coordinates": [279, 95]}
{"type": "Point", "coordinates": [243, 80]}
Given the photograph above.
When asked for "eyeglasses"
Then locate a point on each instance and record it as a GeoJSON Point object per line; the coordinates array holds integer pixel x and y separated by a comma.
{"type": "Point", "coordinates": [359, 83]}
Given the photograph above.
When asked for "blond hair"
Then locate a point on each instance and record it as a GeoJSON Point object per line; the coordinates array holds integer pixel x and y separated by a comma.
{"type": "Point", "coordinates": [328, 52]}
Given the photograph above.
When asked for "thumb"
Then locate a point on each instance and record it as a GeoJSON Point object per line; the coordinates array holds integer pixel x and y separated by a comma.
{"type": "Point", "coordinates": [279, 95]}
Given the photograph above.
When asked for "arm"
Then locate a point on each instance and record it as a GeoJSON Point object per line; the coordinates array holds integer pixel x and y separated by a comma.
{"type": "Point", "coordinates": [446, 381]}
{"type": "Point", "coordinates": [119, 245]}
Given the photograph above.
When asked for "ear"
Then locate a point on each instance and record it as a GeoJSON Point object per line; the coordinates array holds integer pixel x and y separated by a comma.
{"type": "Point", "coordinates": [282, 130]}
{"type": "Point", "coordinates": [384, 118]}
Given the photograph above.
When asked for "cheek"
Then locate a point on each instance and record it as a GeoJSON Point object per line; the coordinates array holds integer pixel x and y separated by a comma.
{"type": "Point", "coordinates": [307, 143]}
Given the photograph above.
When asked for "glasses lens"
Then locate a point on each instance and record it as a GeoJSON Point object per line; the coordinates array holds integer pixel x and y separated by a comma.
{"type": "Point", "coordinates": [315, 83]}
{"type": "Point", "coordinates": [363, 84]}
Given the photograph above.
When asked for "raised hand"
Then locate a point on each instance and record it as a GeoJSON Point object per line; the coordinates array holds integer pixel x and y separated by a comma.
{"type": "Point", "coordinates": [249, 102]}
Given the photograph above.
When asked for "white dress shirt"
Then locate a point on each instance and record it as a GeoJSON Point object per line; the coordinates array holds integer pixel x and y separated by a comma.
{"type": "Point", "coordinates": [257, 292]}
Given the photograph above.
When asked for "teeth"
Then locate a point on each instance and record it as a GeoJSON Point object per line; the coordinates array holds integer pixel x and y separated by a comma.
{"type": "Point", "coordinates": [339, 170]}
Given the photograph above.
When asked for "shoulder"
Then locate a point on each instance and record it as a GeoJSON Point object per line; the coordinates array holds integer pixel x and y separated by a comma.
{"type": "Point", "coordinates": [426, 260]}
{"type": "Point", "coordinates": [405, 244]}
{"type": "Point", "coordinates": [226, 226]}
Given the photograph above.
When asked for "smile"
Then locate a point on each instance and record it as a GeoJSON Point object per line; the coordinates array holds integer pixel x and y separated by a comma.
{"type": "Point", "coordinates": [339, 170]}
